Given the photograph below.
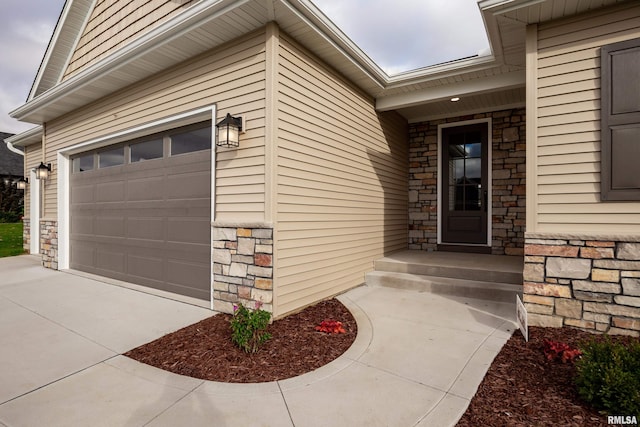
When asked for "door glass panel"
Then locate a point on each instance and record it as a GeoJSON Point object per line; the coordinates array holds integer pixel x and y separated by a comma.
{"type": "Point", "coordinates": [473, 150]}
{"type": "Point", "coordinates": [456, 151]}
{"type": "Point", "coordinates": [473, 170]}
{"type": "Point", "coordinates": [84, 163]}
{"type": "Point", "coordinates": [465, 172]}
{"type": "Point", "coordinates": [113, 157]}
{"type": "Point", "coordinates": [146, 150]}
{"type": "Point", "coordinates": [187, 142]}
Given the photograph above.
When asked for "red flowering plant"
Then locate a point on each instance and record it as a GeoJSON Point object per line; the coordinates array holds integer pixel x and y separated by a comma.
{"type": "Point", "coordinates": [330, 326]}
{"type": "Point", "coordinates": [556, 350]}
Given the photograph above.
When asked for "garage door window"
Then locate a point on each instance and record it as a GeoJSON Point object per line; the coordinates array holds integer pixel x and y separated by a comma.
{"type": "Point", "coordinates": [114, 157]}
{"type": "Point", "coordinates": [188, 142]}
{"type": "Point", "coordinates": [146, 150]}
{"type": "Point", "coordinates": [84, 163]}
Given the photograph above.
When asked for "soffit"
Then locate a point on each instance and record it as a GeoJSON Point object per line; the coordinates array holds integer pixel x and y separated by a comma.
{"type": "Point", "coordinates": [536, 11]}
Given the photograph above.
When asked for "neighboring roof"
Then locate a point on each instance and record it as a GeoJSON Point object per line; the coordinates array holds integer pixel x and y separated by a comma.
{"type": "Point", "coordinates": [11, 163]}
{"type": "Point", "coordinates": [489, 81]}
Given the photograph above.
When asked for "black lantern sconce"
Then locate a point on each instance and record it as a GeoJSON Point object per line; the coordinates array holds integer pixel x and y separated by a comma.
{"type": "Point", "coordinates": [228, 132]}
{"type": "Point", "coordinates": [21, 184]}
{"type": "Point", "coordinates": [42, 171]}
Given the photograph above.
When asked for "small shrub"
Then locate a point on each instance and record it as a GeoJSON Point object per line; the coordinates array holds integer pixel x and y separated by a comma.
{"type": "Point", "coordinates": [608, 376]}
{"type": "Point", "coordinates": [249, 327]}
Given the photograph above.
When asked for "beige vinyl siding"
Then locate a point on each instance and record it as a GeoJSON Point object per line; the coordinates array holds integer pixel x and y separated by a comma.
{"type": "Point", "coordinates": [32, 158]}
{"type": "Point", "coordinates": [232, 77]}
{"type": "Point", "coordinates": [341, 182]}
{"type": "Point", "coordinates": [114, 23]}
{"type": "Point", "coordinates": [568, 123]}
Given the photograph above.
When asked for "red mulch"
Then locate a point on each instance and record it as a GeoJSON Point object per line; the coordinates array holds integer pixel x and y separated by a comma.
{"type": "Point", "coordinates": [522, 388]}
{"type": "Point", "coordinates": [205, 350]}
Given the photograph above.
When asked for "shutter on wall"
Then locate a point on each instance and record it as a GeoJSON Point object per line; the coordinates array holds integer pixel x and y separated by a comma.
{"type": "Point", "coordinates": [620, 121]}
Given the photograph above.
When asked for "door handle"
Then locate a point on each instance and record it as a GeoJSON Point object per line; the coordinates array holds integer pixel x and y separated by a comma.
{"type": "Point", "coordinates": [484, 199]}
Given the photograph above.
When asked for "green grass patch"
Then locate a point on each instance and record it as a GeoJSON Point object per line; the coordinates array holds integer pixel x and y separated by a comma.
{"type": "Point", "coordinates": [11, 239]}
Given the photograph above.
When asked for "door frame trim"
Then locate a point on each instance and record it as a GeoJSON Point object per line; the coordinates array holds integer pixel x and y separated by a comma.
{"type": "Point", "coordinates": [488, 121]}
{"type": "Point", "coordinates": [166, 123]}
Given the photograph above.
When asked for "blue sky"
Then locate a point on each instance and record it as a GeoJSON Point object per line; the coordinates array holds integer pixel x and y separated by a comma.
{"type": "Point", "coordinates": [399, 35]}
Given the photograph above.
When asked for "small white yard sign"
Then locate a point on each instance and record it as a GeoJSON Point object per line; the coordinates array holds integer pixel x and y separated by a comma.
{"type": "Point", "coordinates": [521, 316]}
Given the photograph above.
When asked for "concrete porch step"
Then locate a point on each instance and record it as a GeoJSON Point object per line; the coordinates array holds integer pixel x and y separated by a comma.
{"type": "Point", "coordinates": [492, 291]}
{"type": "Point", "coordinates": [475, 267]}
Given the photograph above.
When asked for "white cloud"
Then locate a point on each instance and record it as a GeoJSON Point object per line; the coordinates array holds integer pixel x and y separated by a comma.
{"type": "Point", "coordinates": [407, 34]}
{"type": "Point", "coordinates": [24, 37]}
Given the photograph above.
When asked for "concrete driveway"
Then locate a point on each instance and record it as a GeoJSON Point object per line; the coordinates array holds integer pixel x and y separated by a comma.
{"type": "Point", "coordinates": [417, 361]}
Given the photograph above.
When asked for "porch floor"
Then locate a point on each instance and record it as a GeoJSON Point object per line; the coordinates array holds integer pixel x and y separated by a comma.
{"type": "Point", "coordinates": [482, 276]}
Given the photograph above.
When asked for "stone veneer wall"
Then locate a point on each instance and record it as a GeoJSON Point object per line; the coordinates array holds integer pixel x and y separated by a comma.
{"type": "Point", "coordinates": [508, 189]}
{"type": "Point", "coordinates": [26, 234]}
{"type": "Point", "coordinates": [592, 283]}
{"type": "Point", "coordinates": [242, 266]}
{"type": "Point", "coordinates": [49, 243]}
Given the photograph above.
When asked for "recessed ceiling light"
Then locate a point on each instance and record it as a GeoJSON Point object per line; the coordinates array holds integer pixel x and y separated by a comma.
{"type": "Point", "coordinates": [455, 99]}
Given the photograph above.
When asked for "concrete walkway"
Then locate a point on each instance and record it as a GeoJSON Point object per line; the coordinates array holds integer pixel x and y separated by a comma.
{"type": "Point", "coordinates": [417, 361]}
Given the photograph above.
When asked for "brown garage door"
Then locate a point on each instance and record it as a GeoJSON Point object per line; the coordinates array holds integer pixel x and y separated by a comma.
{"type": "Point", "coordinates": [140, 212]}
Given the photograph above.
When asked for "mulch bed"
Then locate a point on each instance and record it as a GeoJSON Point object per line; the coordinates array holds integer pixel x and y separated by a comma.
{"type": "Point", "coordinates": [205, 350]}
{"type": "Point", "coordinates": [522, 388]}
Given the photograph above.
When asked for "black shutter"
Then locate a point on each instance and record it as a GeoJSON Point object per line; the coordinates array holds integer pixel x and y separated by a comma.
{"type": "Point", "coordinates": [620, 121]}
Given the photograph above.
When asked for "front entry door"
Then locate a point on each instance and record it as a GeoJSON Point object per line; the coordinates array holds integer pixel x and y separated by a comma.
{"type": "Point", "coordinates": [465, 184]}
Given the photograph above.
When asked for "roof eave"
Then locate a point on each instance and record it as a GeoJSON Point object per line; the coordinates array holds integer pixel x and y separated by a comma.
{"type": "Point", "coordinates": [29, 137]}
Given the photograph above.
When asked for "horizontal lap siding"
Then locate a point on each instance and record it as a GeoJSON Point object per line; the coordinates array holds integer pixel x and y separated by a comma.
{"type": "Point", "coordinates": [232, 77]}
{"type": "Point", "coordinates": [341, 182]}
{"type": "Point", "coordinates": [115, 23]}
{"type": "Point", "coordinates": [568, 123]}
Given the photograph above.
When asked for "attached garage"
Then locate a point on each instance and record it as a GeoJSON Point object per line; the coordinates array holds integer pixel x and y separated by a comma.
{"type": "Point", "coordinates": [140, 211]}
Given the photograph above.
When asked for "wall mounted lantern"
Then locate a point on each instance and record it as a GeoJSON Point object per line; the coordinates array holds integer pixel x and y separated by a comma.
{"type": "Point", "coordinates": [228, 131]}
{"type": "Point", "coordinates": [42, 171]}
{"type": "Point", "coordinates": [21, 184]}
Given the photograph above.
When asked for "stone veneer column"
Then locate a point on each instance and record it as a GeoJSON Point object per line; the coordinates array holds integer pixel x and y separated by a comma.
{"type": "Point", "coordinates": [49, 243]}
{"type": "Point", "coordinates": [26, 234]}
{"type": "Point", "coordinates": [508, 153]}
{"type": "Point", "coordinates": [242, 266]}
{"type": "Point", "coordinates": [588, 282]}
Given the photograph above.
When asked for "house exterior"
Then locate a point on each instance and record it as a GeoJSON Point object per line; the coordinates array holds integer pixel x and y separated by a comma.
{"type": "Point", "coordinates": [338, 163]}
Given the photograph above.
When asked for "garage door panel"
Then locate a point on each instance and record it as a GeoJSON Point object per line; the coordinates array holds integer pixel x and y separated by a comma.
{"type": "Point", "coordinates": [111, 226]}
{"type": "Point", "coordinates": [188, 186]}
{"type": "Point", "coordinates": [147, 223]}
{"type": "Point", "coordinates": [145, 189]}
{"type": "Point", "coordinates": [82, 224]}
{"type": "Point", "coordinates": [146, 228]}
{"type": "Point", "coordinates": [187, 274]}
{"type": "Point", "coordinates": [110, 192]}
{"type": "Point", "coordinates": [188, 230]}
{"type": "Point", "coordinates": [109, 260]}
{"type": "Point", "coordinates": [83, 256]}
{"type": "Point", "coordinates": [83, 193]}
{"type": "Point", "coordinates": [146, 267]}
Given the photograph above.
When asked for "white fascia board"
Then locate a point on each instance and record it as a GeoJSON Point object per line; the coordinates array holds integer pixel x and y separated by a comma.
{"type": "Point", "coordinates": [339, 40]}
{"type": "Point", "coordinates": [29, 137]}
{"type": "Point", "coordinates": [438, 93]}
{"type": "Point", "coordinates": [497, 7]}
{"type": "Point", "coordinates": [168, 31]}
{"type": "Point", "coordinates": [52, 48]}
